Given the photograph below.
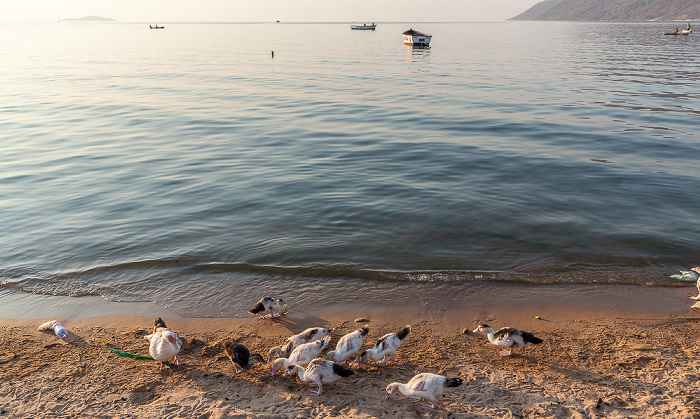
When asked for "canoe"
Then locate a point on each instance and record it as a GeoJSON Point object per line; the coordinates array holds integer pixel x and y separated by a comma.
{"type": "Point", "coordinates": [364, 27]}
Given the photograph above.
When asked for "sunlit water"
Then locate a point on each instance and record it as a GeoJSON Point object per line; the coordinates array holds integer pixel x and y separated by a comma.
{"type": "Point", "coordinates": [190, 167]}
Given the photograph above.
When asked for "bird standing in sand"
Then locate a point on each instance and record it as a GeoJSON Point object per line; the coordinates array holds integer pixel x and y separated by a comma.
{"type": "Point", "coordinates": [301, 355]}
{"type": "Point", "coordinates": [319, 372]}
{"type": "Point", "coordinates": [269, 307]}
{"type": "Point", "coordinates": [348, 346]}
{"type": "Point", "coordinates": [309, 335]}
{"type": "Point", "coordinates": [508, 337]}
{"type": "Point", "coordinates": [424, 386]}
{"type": "Point", "coordinates": [165, 344]}
{"type": "Point", "coordinates": [385, 349]}
{"type": "Point", "coordinates": [240, 355]}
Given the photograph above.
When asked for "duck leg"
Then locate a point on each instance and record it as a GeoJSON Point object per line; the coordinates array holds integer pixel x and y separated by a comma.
{"type": "Point", "coordinates": [178, 362]}
{"type": "Point", "coordinates": [431, 405]}
{"type": "Point", "coordinates": [387, 359]}
{"type": "Point", "coordinates": [318, 391]}
{"type": "Point", "coordinates": [507, 352]}
{"type": "Point", "coordinates": [163, 366]}
{"type": "Point", "coordinates": [238, 367]}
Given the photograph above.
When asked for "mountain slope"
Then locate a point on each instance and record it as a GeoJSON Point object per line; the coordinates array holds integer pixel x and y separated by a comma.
{"type": "Point", "coordinates": [614, 10]}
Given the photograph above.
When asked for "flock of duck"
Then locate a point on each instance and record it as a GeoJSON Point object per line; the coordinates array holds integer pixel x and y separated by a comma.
{"type": "Point", "coordinates": [301, 354]}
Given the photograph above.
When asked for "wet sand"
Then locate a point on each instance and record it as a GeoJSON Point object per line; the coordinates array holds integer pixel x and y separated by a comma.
{"type": "Point", "coordinates": [633, 359]}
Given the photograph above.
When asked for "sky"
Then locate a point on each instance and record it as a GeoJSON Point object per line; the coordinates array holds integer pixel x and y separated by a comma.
{"type": "Point", "coordinates": [265, 10]}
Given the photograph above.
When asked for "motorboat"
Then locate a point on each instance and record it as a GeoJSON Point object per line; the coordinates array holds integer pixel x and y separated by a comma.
{"type": "Point", "coordinates": [414, 37]}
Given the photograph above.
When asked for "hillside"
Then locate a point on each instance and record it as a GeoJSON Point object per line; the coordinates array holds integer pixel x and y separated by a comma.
{"type": "Point", "coordinates": [88, 19]}
{"type": "Point", "coordinates": [614, 10]}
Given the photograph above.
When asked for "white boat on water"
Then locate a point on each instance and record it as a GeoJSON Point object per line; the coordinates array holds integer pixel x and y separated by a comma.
{"type": "Point", "coordinates": [414, 37]}
{"type": "Point", "coordinates": [365, 27]}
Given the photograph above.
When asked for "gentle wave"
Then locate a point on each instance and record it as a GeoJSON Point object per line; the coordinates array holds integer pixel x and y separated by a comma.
{"type": "Point", "coordinates": [172, 167]}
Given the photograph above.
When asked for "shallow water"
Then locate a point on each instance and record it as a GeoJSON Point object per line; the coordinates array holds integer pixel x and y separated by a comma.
{"type": "Point", "coordinates": [189, 167]}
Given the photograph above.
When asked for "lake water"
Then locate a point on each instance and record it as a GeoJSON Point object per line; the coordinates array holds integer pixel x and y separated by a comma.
{"type": "Point", "coordinates": [191, 168]}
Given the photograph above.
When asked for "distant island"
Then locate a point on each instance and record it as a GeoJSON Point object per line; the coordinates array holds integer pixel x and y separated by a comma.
{"type": "Point", "coordinates": [613, 11]}
{"type": "Point", "coordinates": [88, 19]}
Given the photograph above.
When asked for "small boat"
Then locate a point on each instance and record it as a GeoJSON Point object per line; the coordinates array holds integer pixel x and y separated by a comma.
{"type": "Point", "coordinates": [155, 27]}
{"type": "Point", "coordinates": [413, 37]}
{"type": "Point", "coordinates": [365, 27]}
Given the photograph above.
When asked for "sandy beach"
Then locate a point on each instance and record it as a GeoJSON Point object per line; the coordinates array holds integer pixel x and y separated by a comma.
{"type": "Point", "coordinates": [593, 363]}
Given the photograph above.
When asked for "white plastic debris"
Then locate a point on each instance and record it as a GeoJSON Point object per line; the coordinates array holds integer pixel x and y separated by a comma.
{"type": "Point", "coordinates": [57, 328]}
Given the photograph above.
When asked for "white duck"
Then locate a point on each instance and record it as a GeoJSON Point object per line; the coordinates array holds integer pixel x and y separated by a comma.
{"type": "Point", "coordinates": [424, 386]}
{"type": "Point", "coordinates": [385, 348]}
{"type": "Point", "coordinates": [348, 346]}
{"type": "Point", "coordinates": [301, 355]}
{"type": "Point", "coordinates": [165, 344]}
{"type": "Point", "coordinates": [269, 307]}
{"type": "Point", "coordinates": [319, 372]}
{"type": "Point", "coordinates": [309, 335]}
{"type": "Point", "coordinates": [697, 284]}
{"type": "Point", "coordinates": [508, 337]}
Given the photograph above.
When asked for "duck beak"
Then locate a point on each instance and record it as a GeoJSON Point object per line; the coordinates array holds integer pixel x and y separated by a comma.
{"type": "Point", "coordinates": [475, 330]}
{"type": "Point", "coordinates": [386, 396]}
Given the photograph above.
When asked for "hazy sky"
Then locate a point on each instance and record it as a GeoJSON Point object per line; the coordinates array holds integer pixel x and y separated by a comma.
{"type": "Point", "coordinates": [265, 10]}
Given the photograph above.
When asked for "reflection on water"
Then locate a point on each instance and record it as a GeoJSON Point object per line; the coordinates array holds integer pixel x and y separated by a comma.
{"type": "Point", "coordinates": [168, 166]}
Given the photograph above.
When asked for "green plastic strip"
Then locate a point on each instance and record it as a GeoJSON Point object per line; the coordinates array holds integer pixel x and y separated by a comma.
{"type": "Point", "coordinates": [130, 355]}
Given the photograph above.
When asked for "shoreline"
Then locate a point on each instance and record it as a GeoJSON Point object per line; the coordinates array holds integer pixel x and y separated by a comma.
{"type": "Point", "coordinates": [594, 362]}
{"type": "Point", "coordinates": [482, 298]}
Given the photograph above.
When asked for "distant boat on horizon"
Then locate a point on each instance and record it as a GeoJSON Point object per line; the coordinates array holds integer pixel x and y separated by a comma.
{"type": "Point", "coordinates": [155, 27]}
{"type": "Point", "coordinates": [365, 27]}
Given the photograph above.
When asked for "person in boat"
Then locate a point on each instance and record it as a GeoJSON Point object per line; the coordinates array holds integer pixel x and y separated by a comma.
{"type": "Point", "coordinates": [688, 28]}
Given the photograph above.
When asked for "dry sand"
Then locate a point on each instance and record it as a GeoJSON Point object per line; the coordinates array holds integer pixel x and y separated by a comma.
{"type": "Point", "coordinates": [592, 364]}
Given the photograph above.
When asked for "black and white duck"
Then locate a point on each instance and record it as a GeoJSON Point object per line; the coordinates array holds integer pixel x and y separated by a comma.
{"type": "Point", "coordinates": [269, 307]}
{"type": "Point", "coordinates": [309, 335]}
{"type": "Point", "coordinates": [348, 346]}
{"type": "Point", "coordinates": [319, 372]}
{"type": "Point", "coordinates": [385, 349]}
{"type": "Point", "coordinates": [424, 386]}
{"type": "Point", "coordinates": [301, 355]}
{"type": "Point", "coordinates": [508, 337]}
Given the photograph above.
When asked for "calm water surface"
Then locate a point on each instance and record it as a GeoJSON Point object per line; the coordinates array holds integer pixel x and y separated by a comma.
{"type": "Point", "coordinates": [189, 167]}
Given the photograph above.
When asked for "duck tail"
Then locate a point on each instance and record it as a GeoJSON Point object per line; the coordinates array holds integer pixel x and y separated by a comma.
{"type": "Point", "coordinates": [342, 371]}
{"type": "Point", "coordinates": [453, 382]}
{"type": "Point", "coordinates": [530, 338]}
{"type": "Point", "coordinates": [401, 334]}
